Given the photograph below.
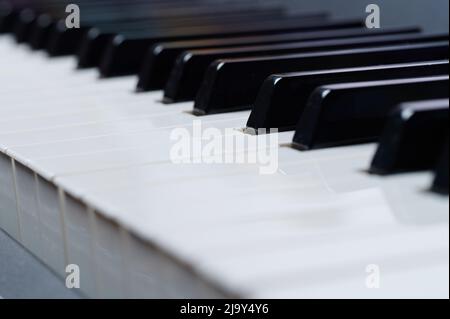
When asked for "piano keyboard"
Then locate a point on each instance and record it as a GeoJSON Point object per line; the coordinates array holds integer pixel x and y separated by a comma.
{"type": "Point", "coordinates": [87, 178]}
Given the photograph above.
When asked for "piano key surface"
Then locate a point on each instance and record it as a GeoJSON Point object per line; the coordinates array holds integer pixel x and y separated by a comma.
{"type": "Point", "coordinates": [96, 171]}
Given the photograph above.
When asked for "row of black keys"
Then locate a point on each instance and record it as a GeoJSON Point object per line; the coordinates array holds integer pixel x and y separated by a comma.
{"type": "Point", "coordinates": [380, 68]}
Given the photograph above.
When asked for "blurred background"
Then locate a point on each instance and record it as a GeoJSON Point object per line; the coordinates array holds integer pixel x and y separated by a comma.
{"type": "Point", "coordinates": [431, 14]}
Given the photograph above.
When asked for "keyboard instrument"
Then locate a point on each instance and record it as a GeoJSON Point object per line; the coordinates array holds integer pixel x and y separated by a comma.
{"type": "Point", "coordinates": [228, 149]}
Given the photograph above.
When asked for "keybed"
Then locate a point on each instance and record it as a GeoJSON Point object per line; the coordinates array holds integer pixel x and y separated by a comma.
{"type": "Point", "coordinates": [87, 175]}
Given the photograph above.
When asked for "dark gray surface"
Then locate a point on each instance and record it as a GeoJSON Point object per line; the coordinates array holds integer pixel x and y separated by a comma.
{"type": "Point", "coordinates": [22, 276]}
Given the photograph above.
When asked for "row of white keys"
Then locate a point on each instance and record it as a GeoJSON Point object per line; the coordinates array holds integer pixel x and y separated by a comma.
{"type": "Point", "coordinates": [95, 130]}
{"type": "Point", "coordinates": [223, 212]}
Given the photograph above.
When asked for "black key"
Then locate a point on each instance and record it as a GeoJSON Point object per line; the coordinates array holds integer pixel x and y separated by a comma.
{"type": "Point", "coordinates": [191, 66]}
{"type": "Point", "coordinates": [26, 28]}
{"type": "Point", "coordinates": [101, 12]}
{"type": "Point", "coordinates": [43, 31]}
{"type": "Point", "coordinates": [40, 33]}
{"type": "Point", "coordinates": [282, 98]}
{"type": "Point", "coordinates": [8, 17]}
{"type": "Point", "coordinates": [233, 84]}
{"type": "Point", "coordinates": [160, 59]}
{"type": "Point", "coordinates": [45, 24]}
{"type": "Point", "coordinates": [124, 56]}
{"type": "Point", "coordinates": [49, 31]}
{"type": "Point", "coordinates": [440, 184]}
{"type": "Point", "coordinates": [413, 138]}
{"type": "Point", "coordinates": [63, 41]}
{"type": "Point", "coordinates": [24, 24]}
{"type": "Point", "coordinates": [97, 39]}
{"type": "Point", "coordinates": [105, 30]}
{"type": "Point", "coordinates": [351, 113]}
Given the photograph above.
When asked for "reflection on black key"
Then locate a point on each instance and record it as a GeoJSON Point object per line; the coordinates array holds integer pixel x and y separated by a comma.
{"type": "Point", "coordinates": [234, 84]}
{"type": "Point", "coordinates": [191, 66]}
{"type": "Point", "coordinates": [352, 113]}
{"type": "Point", "coordinates": [160, 59]}
{"type": "Point", "coordinates": [124, 56]}
{"type": "Point", "coordinates": [282, 98]}
{"type": "Point", "coordinates": [440, 184]}
{"type": "Point", "coordinates": [413, 138]}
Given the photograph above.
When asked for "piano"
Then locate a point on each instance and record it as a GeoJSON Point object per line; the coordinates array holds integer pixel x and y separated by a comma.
{"type": "Point", "coordinates": [228, 149]}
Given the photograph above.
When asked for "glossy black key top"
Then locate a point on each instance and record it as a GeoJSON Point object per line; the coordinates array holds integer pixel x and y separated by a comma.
{"type": "Point", "coordinates": [97, 38]}
{"type": "Point", "coordinates": [234, 84]}
{"type": "Point", "coordinates": [351, 113]}
{"type": "Point", "coordinates": [139, 17]}
{"type": "Point", "coordinates": [54, 14]}
{"type": "Point", "coordinates": [94, 43]}
{"type": "Point", "coordinates": [124, 56]}
{"type": "Point", "coordinates": [440, 184]}
{"type": "Point", "coordinates": [191, 66]}
{"type": "Point", "coordinates": [161, 58]}
{"type": "Point", "coordinates": [68, 41]}
{"type": "Point", "coordinates": [413, 138]}
{"type": "Point", "coordinates": [282, 98]}
{"type": "Point", "coordinates": [51, 35]}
